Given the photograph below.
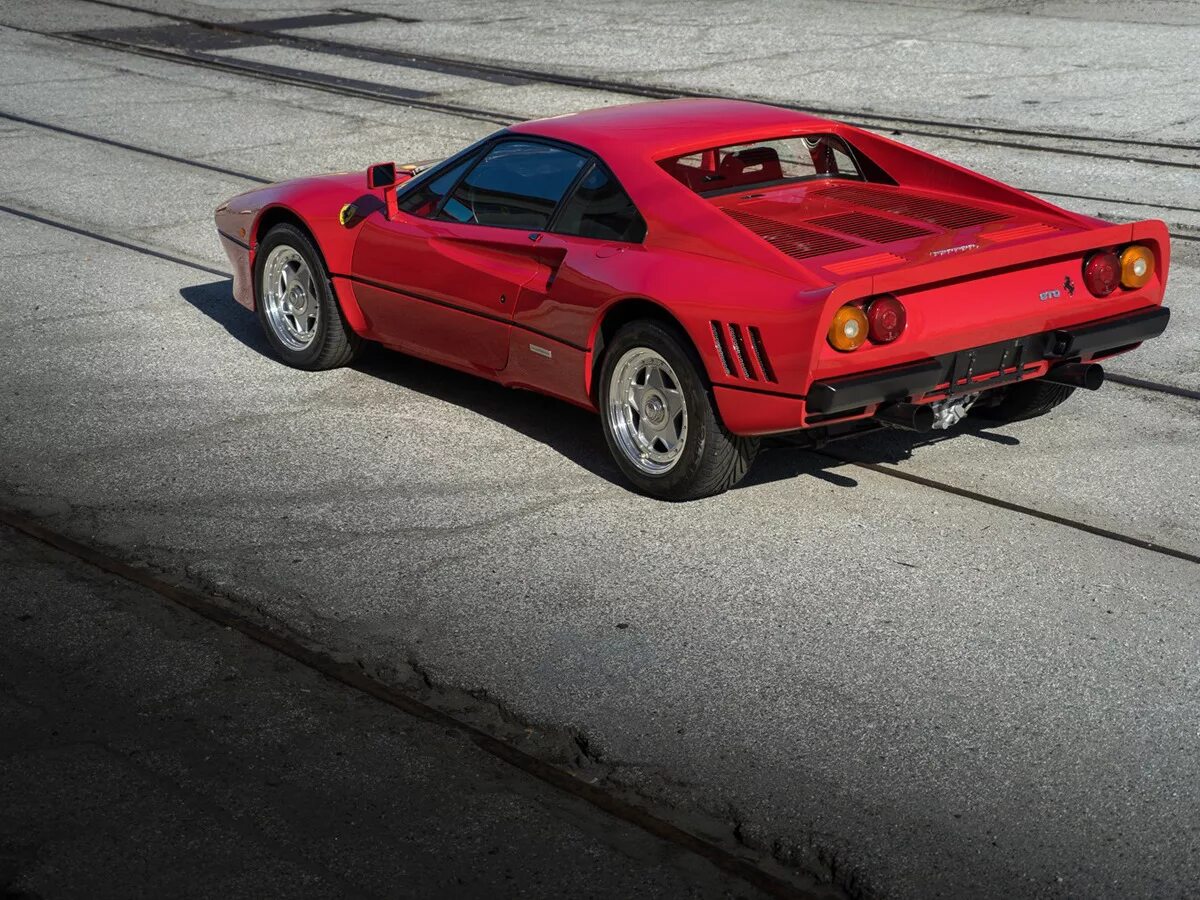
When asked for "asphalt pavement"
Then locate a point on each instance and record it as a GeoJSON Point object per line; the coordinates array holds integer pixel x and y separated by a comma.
{"type": "Point", "coordinates": [900, 689]}
{"type": "Point", "coordinates": [148, 752]}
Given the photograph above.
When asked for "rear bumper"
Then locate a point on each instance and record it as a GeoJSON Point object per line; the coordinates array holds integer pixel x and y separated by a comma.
{"type": "Point", "coordinates": [981, 368]}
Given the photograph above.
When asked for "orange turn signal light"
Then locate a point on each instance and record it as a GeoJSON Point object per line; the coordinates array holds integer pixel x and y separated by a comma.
{"type": "Point", "coordinates": [849, 328]}
{"type": "Point", "coordinates": [1137, 266]}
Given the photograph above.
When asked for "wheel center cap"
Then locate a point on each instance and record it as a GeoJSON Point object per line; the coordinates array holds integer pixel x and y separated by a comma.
{"type": "Point", "coordinates": [298, 301]}
{"type": "Point", "coordinates": [656, 409]}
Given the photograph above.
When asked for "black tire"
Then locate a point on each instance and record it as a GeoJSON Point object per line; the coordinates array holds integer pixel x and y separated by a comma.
{"type": "Point", "coordinates": [711, 460]}
{"type": "Point", "coordinates": [333, 343]}
{"type": "Point", "coordinates": [1027, 400]}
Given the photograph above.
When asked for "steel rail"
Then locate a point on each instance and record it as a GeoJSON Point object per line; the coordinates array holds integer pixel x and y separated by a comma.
{"type": "Point", "coordinates": [364, 90]}
{"type": "Point", "coordinates": [1128, 381]}
{"type": "Point", "coordinates": [652, 91]}
{"type": "Point", "coordinates": [966, 493]}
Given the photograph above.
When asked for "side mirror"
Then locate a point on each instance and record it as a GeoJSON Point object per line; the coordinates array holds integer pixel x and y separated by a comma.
{"type": "Point", "coordinates": [381, 175]}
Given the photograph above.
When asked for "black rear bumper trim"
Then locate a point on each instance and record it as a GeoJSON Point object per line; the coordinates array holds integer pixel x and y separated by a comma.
{"type": "Point", "coordinates": [899, 383]}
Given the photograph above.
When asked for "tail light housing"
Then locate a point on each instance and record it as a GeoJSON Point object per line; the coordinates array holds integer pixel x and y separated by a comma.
{"type": "Point", "coordinates": [1102, 272]}
{"type": "Point", "coordinates": [886, 319]}
{"type": "Point", "coordinates": [1137, 266]}
{"type": "Point", "coordinates": [849, 328]}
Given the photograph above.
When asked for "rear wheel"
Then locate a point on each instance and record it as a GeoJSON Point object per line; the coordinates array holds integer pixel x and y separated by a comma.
{"type": "Point", "coordinates": [1027, 400]}
{"type": "Point", "coordinates": [295, 303]}
{"type": "Point", "coordinates": [659, 419]}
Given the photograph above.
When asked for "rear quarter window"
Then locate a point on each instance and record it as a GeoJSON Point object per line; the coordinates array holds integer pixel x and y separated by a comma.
{"type": "Point", "coordinates": [599, 208]}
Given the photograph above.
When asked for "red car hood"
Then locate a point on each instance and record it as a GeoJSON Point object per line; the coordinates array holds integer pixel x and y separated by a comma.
{"type": "Point", "coordinates": [844, 229]}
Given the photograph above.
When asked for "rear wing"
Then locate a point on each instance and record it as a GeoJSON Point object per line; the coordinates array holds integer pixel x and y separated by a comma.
{"type": "Point", "coordinates": [955, 267]}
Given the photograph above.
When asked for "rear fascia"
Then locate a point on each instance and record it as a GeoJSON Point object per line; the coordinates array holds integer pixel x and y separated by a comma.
{"type": "Point", "coordinates": [1010, 280]}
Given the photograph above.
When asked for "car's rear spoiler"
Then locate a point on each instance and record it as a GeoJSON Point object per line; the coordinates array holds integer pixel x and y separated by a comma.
{"type": "Point", "coordinates": [956, 266]}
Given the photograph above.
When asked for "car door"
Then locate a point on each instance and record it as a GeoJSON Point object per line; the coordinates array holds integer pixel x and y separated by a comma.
{"type": "Point", "coordinates": [443, 277]}
{"type": "Point", "coordinates": [591, 252]}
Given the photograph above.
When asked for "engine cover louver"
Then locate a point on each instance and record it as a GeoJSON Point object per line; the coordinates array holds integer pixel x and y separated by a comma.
{"type": "Point", "coordinates": [942, 213]}
{"type": "Point", "coordinates": [1015, 234]}
{"type": "Point", "coordinates": [795, 241]}
{"type": "Point", "coordinates": [741, 351]}
{"type": "Point", "coordinates": [864, 263]}
{"type": "Point", "coordinates": [874, 228]}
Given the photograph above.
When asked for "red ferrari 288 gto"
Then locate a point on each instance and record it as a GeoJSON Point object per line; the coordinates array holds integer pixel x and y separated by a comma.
{"type": "Point", "coordinates": [704, 273]}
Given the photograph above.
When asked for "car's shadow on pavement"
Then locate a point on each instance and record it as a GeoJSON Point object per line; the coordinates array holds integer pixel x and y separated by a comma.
{"type": "Point", "coordinates": [575, 432]}
{"type": "Point", "coordinates": [215, 300]}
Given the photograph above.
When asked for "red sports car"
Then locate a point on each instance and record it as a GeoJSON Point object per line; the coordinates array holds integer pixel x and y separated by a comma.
{"type": "Point", "coordinates": [704, 273]}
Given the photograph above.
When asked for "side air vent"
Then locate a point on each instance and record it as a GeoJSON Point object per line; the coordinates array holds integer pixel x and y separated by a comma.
{"type": "Point", "coordinates": [942, 213]}
{"type": "Point", "coordinates": [873, 228]}
{"type": "Point", "coordinates": [760, 354]}
{"type": "Point", "coordinates": [741, 351]}
{"type": "Point", "coordinates": [722, 351]}
{"type": "Point", "coordinates": [797, 242]}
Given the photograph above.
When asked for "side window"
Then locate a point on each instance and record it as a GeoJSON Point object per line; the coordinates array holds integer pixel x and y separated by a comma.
{"type": "Point", "coordinates": [600, 209]}
{"type": "Point", "coordinates": [517, 185]}
{"type": "Point", "coordinates": [422, 200]}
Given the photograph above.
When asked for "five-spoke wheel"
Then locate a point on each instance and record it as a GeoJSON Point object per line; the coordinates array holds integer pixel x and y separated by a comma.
{"type": "Point", "coordinates": [659, 419]}
{"type": "Point", "coordinates": [295, 301]}
{"type": "Point", "coordinates": [647, 410]}
{"type": "Point", "coordinates": [290, 298]}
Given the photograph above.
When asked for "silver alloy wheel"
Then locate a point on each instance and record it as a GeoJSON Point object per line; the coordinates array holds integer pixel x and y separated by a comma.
{"type": "Point", "coordinates": [290, 298]}
{"type": "Point", "coordinates": [647, 411]}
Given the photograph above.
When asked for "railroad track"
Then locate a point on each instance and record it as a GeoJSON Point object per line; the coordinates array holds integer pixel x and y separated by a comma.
{"type": "Point", "coordinates": [889, 471]}
{"type": "Point", "coordinates": [213, 609]}
{"type": "Point", "coordinates": [1128, 381]}
{"type": "Point", "coordinates": [109, 39]}
{"type": "Point", "coordinates": [970, 132]}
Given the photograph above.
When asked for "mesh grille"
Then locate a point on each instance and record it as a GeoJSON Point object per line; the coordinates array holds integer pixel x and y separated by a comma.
{"type": "Point", "coordinates": [873, 228]}
{"type": "Point", "coordinates": [797, 242]}
{"type": "Point", "coordinates": [942, 213]}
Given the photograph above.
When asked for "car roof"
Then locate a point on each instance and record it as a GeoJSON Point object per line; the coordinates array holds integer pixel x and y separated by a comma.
{"type": "Point", "coordinates": [659, 128]}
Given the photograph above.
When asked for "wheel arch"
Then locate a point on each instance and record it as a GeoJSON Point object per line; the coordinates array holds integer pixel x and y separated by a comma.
{"type": "Point", "coordinates": [619, 314]}
{"type": "Point", "coordinates": [279, 214]}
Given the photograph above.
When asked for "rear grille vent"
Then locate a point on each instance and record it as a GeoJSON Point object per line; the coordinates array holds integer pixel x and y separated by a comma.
{"type": "Point", "coordinates": [741, 351]}
{"type": "Point", "coordinates": [942, 213]}
{"type": "Point", "coordinates": [873, 228]}
{"type": "Point", "coordinates": [864, 263]}
{"type": "Point", "coordinates": [797, 242]}
{"type": "Point", "coordinates": [1021, 231]}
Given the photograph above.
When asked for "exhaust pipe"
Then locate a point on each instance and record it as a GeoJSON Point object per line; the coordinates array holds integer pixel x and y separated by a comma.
{"type": "Point", "coordinates": [906, 416]}
{"type": "Point", "coordinates": [1084, 375]}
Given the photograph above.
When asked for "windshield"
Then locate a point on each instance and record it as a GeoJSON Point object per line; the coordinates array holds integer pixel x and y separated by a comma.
{"type": "Point", "coordinates": [778, 161]}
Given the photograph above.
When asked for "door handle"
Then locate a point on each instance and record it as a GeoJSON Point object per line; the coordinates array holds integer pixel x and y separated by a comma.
{"type": "Point", "coordinates": [535, 235]}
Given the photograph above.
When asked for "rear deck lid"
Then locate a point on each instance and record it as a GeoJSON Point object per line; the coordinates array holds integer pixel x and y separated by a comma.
{"type": "Point", "coordinates": [844, 229]}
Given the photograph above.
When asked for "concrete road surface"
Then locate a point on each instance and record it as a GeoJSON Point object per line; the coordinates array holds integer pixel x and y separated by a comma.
{"type": "Point", "coordinates": [897, 688]}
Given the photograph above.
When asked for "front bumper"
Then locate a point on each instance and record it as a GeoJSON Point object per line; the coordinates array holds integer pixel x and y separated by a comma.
{"type": "Point", "coordinates": [982, 368]}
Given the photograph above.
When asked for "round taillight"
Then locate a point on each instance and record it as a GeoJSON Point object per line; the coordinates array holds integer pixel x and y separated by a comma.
{"type": "Point", "coordinates": [1101, 272]}
{"type": "Point", "coordinates": [886, 319]}
{"type": "Point", "coordinates": [848, 330]}
{"type": "Point", "coordinates": [1137, 265]}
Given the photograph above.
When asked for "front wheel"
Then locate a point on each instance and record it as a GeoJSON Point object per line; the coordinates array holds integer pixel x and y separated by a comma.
{"type": "Point", "coordinates": [296, 306]}
{"type": "Point", "coordinates": [659, 420]}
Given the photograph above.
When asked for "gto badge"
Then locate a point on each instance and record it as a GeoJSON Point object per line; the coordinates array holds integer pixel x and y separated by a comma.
{"type": "Point", "coordinates": [1049, 295]}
